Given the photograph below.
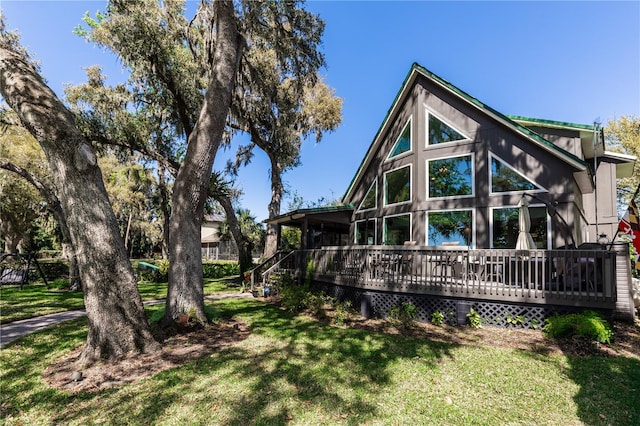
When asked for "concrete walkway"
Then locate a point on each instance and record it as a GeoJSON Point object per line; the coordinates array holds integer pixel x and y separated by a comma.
{"type": "Point", "coordinates": [16, 329]}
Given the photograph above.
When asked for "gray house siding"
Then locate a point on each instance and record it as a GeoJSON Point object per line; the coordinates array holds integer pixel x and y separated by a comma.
{"type": "Point", "coordinates": [486, 136]}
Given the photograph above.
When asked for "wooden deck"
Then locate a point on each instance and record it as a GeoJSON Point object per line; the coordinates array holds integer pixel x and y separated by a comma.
{"type": "Point", "coordinates": [580, 278]}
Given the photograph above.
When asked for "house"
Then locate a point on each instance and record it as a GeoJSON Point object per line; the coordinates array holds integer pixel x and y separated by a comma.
{"type": "Point", "coordinates": [447, 170]}
{"type": "Point", "coordinates": [214, 247]}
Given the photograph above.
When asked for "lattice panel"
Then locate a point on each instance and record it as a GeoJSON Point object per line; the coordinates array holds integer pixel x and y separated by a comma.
{"type": "Point", "coordinates": [377, 304]}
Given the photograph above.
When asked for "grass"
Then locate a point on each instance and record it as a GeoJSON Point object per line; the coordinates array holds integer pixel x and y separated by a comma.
{"type": "Point", "coordinates": [36, 299]}
{"type": "Point", "coordinates": [293, 370]}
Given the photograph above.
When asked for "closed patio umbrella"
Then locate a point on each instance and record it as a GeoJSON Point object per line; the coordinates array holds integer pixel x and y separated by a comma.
{"type": "Point", "coordinates": [525, 241]}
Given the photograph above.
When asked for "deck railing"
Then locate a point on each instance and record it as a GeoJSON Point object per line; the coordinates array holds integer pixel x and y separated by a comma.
{"type": "Point", "coordinates": [567, 277]}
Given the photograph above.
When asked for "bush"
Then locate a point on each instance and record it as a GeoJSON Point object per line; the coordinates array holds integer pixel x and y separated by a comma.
{"type": "Point", "coordinates": [214, 270]}
{"type": "Point", "coordinates": [588, 324]}
{"type": "Point", "coordinates": [475, 321]}
{"type": "Point", "coordinates": [220, 269]}
{"type": "Point", "coordinates": [437, 318]}
{"type": "Point", "coordinates": [404, 314]}
{"type": "Point", "coordinates": [343, 312]}
{"type": "Point", "coordinates": [53, 269]}
{"type": "Point", "coordinates": [292, 295]}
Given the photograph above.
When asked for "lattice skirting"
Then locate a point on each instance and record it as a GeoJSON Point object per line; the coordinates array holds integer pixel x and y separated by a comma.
{"type": "Point", "coordinates": [377, 304]}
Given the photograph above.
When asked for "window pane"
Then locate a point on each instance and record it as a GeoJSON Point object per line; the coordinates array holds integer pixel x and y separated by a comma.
{"type": "Point", "coordinates": [505, 227]}
{"type": "Point", "coordinates": [397, 229]}
{"type": "Point", "coordinates": [397, 186]}
{"type": "Point", "coordinates": [450, 176]}
{"type": "Point", "coordinates": [366, 232]}
{"type": "Point", "coordinates": [440, 132]}
{"type": "Point", "coordinates": [450, 226]}
{"type": "Point", "coordinates": [404, 142]}
{"type": "Point", "coordinates": [506, 179]}
{"type": "Point", "coordinates": [369, 201]}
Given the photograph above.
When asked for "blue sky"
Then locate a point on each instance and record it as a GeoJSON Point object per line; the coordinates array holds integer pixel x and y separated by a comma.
{"type": "Point", "coordinates": [565, 61]}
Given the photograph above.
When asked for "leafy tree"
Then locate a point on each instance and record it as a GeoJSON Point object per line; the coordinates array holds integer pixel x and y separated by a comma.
{"type": "Point", "coordinates": [284, 108]}
{"type": "Point", "coordinates": [117, 323]}
{"type": "Point", "coordinates": [222, 191]}
{"type": "Point", "coordinates": [187, 70]}
{"type": "Point", "coordinates": [132, 189]}
{"type": "Point", "coordinates": [20, 202]}
{"type": "Point", "coordinates": [21, 155]}
{"type": "Point", "coordinates": [623, 135]}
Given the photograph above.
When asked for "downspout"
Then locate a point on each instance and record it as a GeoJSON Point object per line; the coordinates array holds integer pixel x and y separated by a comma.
{"type": "Point", "coordinates": [596, 127]}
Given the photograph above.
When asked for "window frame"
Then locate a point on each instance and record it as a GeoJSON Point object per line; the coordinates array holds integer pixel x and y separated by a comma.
{"type": "Point", "coordinates": [429, 112]}
{"type": "Point", "coordinates": [473, 177]}
{"type": "Point", "coordinates": [375, 206]}
{"type": "Point", "coordinates": [384, 226]}
{"type": "Point", "coordinates": [408, 123]}
{"type": "Point", "coordinates": [375, 230]}
{"type": "Point", "coordinates": [492, 156]}
{"type": "Point", "coordinates": [384, 182]}
{"type": "Point", "coordinates": [472, 242]}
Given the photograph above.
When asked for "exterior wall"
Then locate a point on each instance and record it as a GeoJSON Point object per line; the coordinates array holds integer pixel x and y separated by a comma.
{"type": "Point", "coordinates": [606, 203]}
{"type": "Point", "coordinates": [569, 140]}
{"type": "Point", "coordinates": [485, 135]}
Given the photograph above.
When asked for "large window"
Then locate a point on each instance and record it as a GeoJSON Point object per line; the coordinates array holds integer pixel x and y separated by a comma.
{"type": "Point", "coordinates": [370, 200]}
{"type": "Point", "coordinates": [366, 232]}
{"type": "Point", "coordinates": [397, 229]}
{"type": "Point", "coordinates": [397, 185]}
{"type": "Point", "coordinates": [451, 226]}
{"type": "Point", "coordinates": [440, 132]}
{"type": "Point", "coordinates": [504, 230]}
{"type": "Point", "coordinates": [403, 144]}
{"type": "Point", "coordinates": [505, 178]}
{"type": "Point", "coordinates": [450, 177]}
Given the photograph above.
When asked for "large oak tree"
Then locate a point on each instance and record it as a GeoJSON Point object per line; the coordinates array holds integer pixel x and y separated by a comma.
{"type": "Point", "coordinates": [117, 323]}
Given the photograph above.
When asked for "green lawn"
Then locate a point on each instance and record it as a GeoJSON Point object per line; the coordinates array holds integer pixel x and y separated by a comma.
{"type": "Point", "coordinates": [294, 370]}
{"type": "Point", "coordinates": [36, 299]}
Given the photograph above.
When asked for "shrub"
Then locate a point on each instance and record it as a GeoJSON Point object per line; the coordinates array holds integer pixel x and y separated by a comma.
{"type": "Point", "coordinates": [437, 318]}
{"type": "Point", "coordinates": [220, 269]}
{"type": "Point", "coordinates": [292, 295]}
{"type": "Point", "coordinates": [404, 314]}
{"type": "Point", "coordinates": [475, 320]}
{"type": "Point", "coordinates": [343, 312]}
{"type": "Point", "coordinates": [588, 324]}
{"type": "Point", "coordinates": [53, 269]}
{"type": "Point", "coordinates": [314, 303]}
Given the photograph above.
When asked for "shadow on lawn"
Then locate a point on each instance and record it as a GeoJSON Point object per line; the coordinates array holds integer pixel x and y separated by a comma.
{"type": "Point", "coordinates": [289, 368]}
{"type": "Point", "coordinates": [292, 362]}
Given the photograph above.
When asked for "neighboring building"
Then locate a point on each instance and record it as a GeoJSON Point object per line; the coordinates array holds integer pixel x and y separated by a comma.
{"type": "Point", "coordinates": [213, 246]}
{"type": "Point", "coordinates": [446, 168]}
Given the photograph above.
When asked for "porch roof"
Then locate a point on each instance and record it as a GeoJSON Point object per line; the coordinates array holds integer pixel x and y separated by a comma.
{"type": "Point", "coordinates": [329, 214]}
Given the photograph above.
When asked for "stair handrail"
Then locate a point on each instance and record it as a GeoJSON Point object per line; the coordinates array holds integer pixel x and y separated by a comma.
{"type": "Point", "coordinates": [272, 260]}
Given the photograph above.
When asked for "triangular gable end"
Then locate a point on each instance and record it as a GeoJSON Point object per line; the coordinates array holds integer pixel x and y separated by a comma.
{"type": "Point", "coordinates": [403, 143]}
{"type": "Point", "coordinates": [505, 178]}
{"type": "Point", "coordinates": [417, 70]}
{"type": "Point", "coordinates": [440, 131]}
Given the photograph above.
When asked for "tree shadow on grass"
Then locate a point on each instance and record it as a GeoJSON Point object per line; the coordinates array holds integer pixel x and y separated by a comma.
{"type": "Point", "coordinates": [291, 367]}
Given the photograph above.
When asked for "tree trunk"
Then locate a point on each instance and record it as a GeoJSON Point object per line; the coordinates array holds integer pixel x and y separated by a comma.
{"type": "Point", "coordinates": [243, 243]}
{"type": "Point", "coordinates": [117, 322]}
{"type": "Point", "coordinates": [185, 293]}
{"type": "Point", "coordinates": [166, 211]}
{"type": "Point", "coordinates": [271, 241]}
